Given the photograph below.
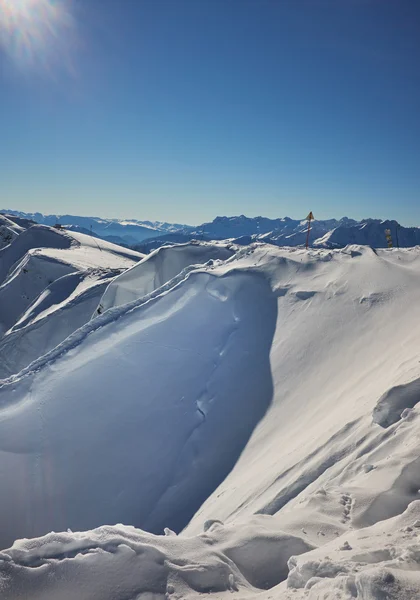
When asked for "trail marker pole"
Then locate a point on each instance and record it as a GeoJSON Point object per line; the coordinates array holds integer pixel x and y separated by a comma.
{"type": "Point", "coordinates": [396, 235]}
{"type": "Point", "coordinates": [309, 219]}
{"type": "Point", "coordinates": [388, 237]}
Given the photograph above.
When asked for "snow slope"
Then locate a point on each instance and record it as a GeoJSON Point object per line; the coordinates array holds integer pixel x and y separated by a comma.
{"type": "Point", "coordinates": [60, 309]}
{"type": "Point", "coordinates": [158, 268]}
{"type": "Point", "coordinates": [36, 237]}
{"type": "Point", "coordinates": [152, 447]}
{"type": "Point", "coordinates": [8, 231]}
{"type": "Point", "coordinates": [279, 386]}
{"type": "Point", "coordinates": [41, 271]}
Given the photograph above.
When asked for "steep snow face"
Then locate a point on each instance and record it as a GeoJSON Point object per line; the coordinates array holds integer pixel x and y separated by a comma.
{"type": "Point", "coordinates": [158, 268]}
{"type": "Point", "coordinates": [142, 412]}
{"type": "Point", "coordinates": [344, 336]}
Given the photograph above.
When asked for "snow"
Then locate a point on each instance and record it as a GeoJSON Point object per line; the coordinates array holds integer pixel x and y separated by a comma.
{"type": "Point", "coordinates": [369, 231]}
{"type": "Point", "coordinates": [60, 309]}
{"type": "Point", "coordinates": [8, 231]}
{"type": "Point", "coordinates": [263, 405]}
{"type": "Point", "coordinates": [378, 563]}
{"type": "Point", "coordinates": [325, 233]}
{"type": "Point", "coordinates": [158, 268]}
{"type": "Point", "coordinates": [75, 383]}
{"type": "Point", "coordinates": [47, 271]}
{"type": "Point", "coordinates": [127, 230]}
{"type": "Point", "coordinates": [36, 237]}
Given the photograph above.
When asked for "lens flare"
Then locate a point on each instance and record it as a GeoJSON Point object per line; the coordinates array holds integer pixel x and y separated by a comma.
{"type": "Point", "coordinates": [36, 32]}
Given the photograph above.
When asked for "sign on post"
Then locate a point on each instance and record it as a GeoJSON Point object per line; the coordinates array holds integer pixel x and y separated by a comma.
{"type": "Point", "coordinates": [388, 237]}
{"type": "Point", "coordinates": [309, 218]}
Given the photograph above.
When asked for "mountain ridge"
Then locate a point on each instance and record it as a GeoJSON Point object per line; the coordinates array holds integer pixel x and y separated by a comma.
{"type": "Point", "coordinates": [283, 231]}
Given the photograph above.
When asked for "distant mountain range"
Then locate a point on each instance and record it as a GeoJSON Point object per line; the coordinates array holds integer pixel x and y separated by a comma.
{"type": "Point", "coordinates": [331, 233]}
{"type": "Point", "coordinates": [148, 235]}
{"type": "Point", "coordinates": [127, 232]}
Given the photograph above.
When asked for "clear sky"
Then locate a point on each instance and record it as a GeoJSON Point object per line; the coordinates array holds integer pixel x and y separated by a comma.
{"type": "Point", "coordinates": [182, 110]}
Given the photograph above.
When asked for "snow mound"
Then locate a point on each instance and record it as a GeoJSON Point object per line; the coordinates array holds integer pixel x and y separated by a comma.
{"type": "Point", "coordinates": [391, 406]}
{"type": "Point", "coordinates": [122, 562]}
{"type": "Point", "coordinates": [157, 269]}
{"type": "Point", "coordinates": [376, 563]}
{"type": "Point", "coordinates": [146, 409]}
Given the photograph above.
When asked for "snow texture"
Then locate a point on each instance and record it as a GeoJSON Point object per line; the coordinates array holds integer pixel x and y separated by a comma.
{"type": "Point", "coordinates": [264, 406]}
{"type": "Point", "coordinates": [50, 283]}
{"type": "Point", "coordinates": [157, 269]}
{"type": "Point", "coordinates": [64, 434]}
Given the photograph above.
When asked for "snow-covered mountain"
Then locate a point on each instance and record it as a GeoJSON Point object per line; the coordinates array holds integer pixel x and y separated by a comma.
{"type": "Point", "coordinates": [9, 230]}
{"type": "Point", "coordinates": [329, 233]}
{"type": "Point", "coordinates": [370, 232]}
{"type": "Point", "coordinates": [261, 402]}
{"type": "Point", "coordinates": [50, 282]}
{"type": "Point", "coordinates": [146, 236]}
{"type": "Point", "coordinates": [126, 231]}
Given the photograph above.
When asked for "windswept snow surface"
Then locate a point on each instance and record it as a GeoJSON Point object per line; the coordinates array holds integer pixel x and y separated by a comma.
{"type": "Point", "coordinates": [158, 268]}
{"type": "Point", "coordinates": [145, 423]}
{"type": "Point", "coordinates": [279, 387]}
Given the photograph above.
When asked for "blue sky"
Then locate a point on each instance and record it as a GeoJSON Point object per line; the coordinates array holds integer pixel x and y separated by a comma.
{"type": "Point", "coordinates": [182, 110]}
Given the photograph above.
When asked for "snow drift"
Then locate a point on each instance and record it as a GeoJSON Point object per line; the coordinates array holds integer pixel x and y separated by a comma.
{"type": "Point", "coordinates": [146, 408]}
{"type": "Point", "coordinates": [158, 268]}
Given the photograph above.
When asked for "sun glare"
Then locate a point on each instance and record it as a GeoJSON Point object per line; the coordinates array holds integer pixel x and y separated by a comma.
{"type": "Point", "coordinates": [35, 32]}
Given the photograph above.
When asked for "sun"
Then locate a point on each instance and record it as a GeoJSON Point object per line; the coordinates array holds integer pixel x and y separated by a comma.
{"type": "Point", "coordinates": [32, 31]}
